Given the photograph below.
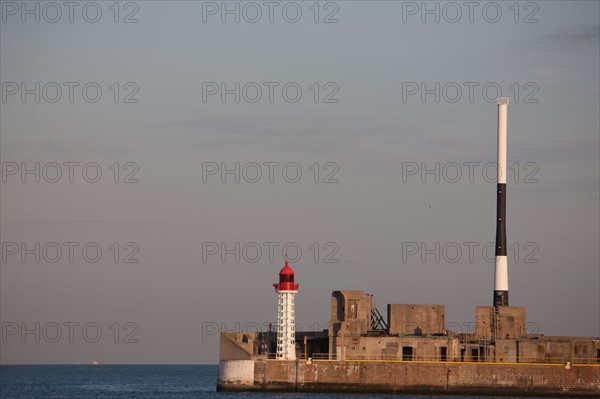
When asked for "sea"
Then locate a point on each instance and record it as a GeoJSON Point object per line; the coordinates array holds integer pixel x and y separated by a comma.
{"type": "Point", "coordinates": [138, 381]}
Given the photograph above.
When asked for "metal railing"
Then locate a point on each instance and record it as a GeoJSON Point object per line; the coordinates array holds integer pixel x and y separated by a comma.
{"type": "Point", "coordinates": [477, 359]}
{"type": "Point", "coordinates": [586, 360]}
{"type": "Point", "coordinates": [440, 359]}
{"type": "Point", "coordinates": [323, 356]}
{"type": "Point", "coordinates": [302, 356]}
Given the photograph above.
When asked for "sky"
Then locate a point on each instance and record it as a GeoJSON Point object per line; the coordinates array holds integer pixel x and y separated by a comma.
{"type": "Point", "coordinates": [161, 159]}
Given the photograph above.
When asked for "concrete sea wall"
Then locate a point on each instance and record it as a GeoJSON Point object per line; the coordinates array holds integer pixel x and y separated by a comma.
{"type": "Point", "coordinates": [410, 377]}
{"type": "Point", "coordinates": [236, 373]}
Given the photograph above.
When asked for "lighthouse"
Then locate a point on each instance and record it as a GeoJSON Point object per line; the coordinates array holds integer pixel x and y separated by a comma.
{"type": "Point", "coordinates": [286, 319]}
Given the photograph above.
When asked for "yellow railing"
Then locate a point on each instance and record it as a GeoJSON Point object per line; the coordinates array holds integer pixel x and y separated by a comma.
{"type": "Point", "coordinates": [322, 356]}
{"type": "Point", "coordinates": [586, 360]}
{"type": "Point", "coordinates": [480, 359]}
{"type": "Point", "coordinates": [448, 359]}
{"type": "Point", "coordinates": [302, 356]}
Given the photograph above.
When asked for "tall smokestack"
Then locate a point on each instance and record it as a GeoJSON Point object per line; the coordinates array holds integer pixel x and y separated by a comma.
{"type": "Point", "coordinates": [501, 278]}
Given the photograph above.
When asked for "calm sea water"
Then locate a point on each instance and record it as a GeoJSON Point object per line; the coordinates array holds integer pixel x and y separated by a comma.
{"type": "Point", "coordinates": [129, 381]}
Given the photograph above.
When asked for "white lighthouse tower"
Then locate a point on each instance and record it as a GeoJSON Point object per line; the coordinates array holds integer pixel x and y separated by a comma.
{"type": "Point", "coordinates": [286, 318]}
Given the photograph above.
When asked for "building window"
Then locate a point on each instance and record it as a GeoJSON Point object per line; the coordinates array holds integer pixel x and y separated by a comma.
{"type": "Point", "coordinates": [474, 355]}
{"type": "Point", "coordinates": [407, 353]}
{"type": "Point", "coordinates": [352, 309]}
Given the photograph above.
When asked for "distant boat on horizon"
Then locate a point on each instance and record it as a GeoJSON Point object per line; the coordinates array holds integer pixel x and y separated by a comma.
{"type": "Point", "coordinates": [95, 363]}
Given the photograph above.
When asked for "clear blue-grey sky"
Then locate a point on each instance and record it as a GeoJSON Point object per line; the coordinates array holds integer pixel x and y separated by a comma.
{"type": "Point", "coordinates": [386, 104]}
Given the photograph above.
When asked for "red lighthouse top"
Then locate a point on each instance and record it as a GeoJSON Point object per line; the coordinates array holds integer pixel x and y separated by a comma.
{"type": "Point", "coordinates": [286, 279]}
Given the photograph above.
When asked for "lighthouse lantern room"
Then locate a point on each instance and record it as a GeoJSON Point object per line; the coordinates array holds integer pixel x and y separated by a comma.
{"type": "Point", "coordinates": [286, 320]}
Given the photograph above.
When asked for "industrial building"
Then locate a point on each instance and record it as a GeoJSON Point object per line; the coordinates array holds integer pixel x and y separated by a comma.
{"type": "Point", "coordinates": [416, 332]}
{"type": "Point", "coordinates": [411, 349]}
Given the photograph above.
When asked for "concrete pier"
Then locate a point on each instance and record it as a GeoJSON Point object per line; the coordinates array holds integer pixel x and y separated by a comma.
{"type": "Point", "coordinates": [414, 377]}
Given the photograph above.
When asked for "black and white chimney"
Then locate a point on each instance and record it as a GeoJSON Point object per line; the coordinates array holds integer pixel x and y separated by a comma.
{"type": "Point", "coordinates": [501, 274]}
